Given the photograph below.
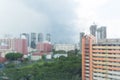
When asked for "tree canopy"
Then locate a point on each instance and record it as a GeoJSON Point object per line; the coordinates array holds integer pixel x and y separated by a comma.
{"type": "Point", "coordinates": [60, 52]}
{"type": "Point", "coordinates": [63, 68]}
{"type": "Point", "coordinates": [13, 56]}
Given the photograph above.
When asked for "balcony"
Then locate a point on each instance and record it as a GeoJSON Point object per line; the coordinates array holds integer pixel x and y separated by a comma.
{"type": "Point", "coordinates": [103, 55]}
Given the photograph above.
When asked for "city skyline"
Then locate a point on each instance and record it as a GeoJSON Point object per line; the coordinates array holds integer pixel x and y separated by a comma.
{"type": "Point", "coordinates": [69, 16]}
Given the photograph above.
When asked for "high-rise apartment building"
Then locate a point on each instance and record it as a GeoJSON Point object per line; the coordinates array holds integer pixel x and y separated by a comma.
{"type": "Point", "coordinates": [20, 45]}
{"type": "Point", "coordinates": [48, 37]}
{"type": "Point", "coordinates": [93, 29]}
{"type": "Point", "coordinates": [101, 33]}
{"type": "Point", "coordinates": [13, 45]}
{"type": "Point", "coordinates": [44, 47]}
{"type": "Point", "coordinates": [101, 59]}
{"type": "Point", "coordinates": [81, 35]}
{"type": "Point", "coordinates": [26, 36]}
{"type": "Point", "coordinates": [33, 40]}
{"type": "Point", "coordinates": [40, 37]}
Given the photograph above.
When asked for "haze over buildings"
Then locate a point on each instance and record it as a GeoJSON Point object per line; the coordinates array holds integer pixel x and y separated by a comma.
{"type": "Point", "coordinates": [93, 29]}
{"type": "Point", "coordinates": [98, 32]}
{"type": "Point", "coordinates": [40, 37]}
{"type": "Point", "coordinates": [102, 33]}
{"type": "Point", "coordinates": [55, 16]}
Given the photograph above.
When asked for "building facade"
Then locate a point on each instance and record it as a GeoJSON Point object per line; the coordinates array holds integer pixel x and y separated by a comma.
{"type": "Point", "coordinates": [93, 29]}
{"type": "Point", "coordinates": [101, 59]}
{"type": "Point", "coordinates": [33, 40]}
{"type": "Point", "coordinates": [25, 36]}
{"type": "Point", "coordinates": [81, 36]}
{"type": "Point", "coordinates": [64, 47]}
{"type": "Point", "coordinates": [44, 47]}
{"type": "Point", "coordinates": [48, 37]}
{"type": "Point", "coordinates": [13, 45]}
{"type": "Point", "coordinates": [20, 45]}
{"type": "Point", "coordinates": [101, 33]}
{"type": "Point", "coordinates": [40, 37]}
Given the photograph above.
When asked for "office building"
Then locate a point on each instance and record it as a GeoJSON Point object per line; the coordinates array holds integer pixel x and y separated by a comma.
{"type": "Point", "coordinates": [101, 59]}
{"type": "Point", "coordinates": [81, 35]}
{"type": "Point", "coordinates": [48, 37]}
{"type": "Point", "coordinates": [25, 36]}
{"type": "Point", "coordinates": [40, 37]}
{"type": "Point", "coordinates": [101, 33]}
{"type": "Point", "coordinates": [33, 40]}
{"type": "Point", "coordinates": [93, 29]}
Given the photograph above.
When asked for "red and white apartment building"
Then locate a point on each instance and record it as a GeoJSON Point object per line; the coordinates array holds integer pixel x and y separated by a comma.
{"type": "Point", "coordinates": [13, 45]}
{"type": "Point", "coordinates": [100, 58]}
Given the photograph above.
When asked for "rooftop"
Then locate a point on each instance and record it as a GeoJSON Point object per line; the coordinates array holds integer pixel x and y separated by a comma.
{"type": "Point", "coordinates": [108, 41]}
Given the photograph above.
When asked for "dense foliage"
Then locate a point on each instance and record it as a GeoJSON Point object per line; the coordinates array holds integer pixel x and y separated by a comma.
{"type": "Point", "coordinates": [59, 52]}
{"type": "Point", "coordinates": [13, 56]}
{"type": "Point", "coordinates": [59, 69]}
{"type": "Point", "coordinates": [73, 52]}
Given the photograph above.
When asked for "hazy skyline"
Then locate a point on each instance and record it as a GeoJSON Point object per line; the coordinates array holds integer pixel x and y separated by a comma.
{"type": "Point", "coordinates": [64, 19]}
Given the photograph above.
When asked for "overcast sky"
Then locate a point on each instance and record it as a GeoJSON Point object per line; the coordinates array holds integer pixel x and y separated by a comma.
{"type": "Point", "coordinates": [64, 19]}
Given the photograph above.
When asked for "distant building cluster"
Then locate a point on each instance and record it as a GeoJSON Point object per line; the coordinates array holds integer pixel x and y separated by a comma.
{"type": "Point", "coordinates": [27, 44]}
{"type": "Point", "coordinates": [33, 45]}
{"type": "Point", "coordinates": [37, 45]}
{"type": "Point", "coordinates": [13, 45]}
{"type": "Point", "coordinates": [34, 38]}
{"type": "Point", "coordinates": [99, 33]}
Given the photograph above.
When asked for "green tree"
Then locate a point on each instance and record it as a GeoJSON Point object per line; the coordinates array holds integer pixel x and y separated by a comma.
{"type": "Point", "coordinates": [63, 68]}
{"type": "Point", "coordinates": [44, 57]}
{"type": "Point", "coordinates": [73, 52]}
{"type": "Point", "coordinates": [13, 56]}
{"type": "Point", "coordinates": [60, 52]}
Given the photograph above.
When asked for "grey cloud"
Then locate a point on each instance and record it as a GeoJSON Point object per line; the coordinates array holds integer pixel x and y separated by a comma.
{"type": "Point", "coordinates": [60, 14]}
{"type": "Point", "coordinates": [16, 17]}
{"type": "Point", "coordinates": [47, 16]}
